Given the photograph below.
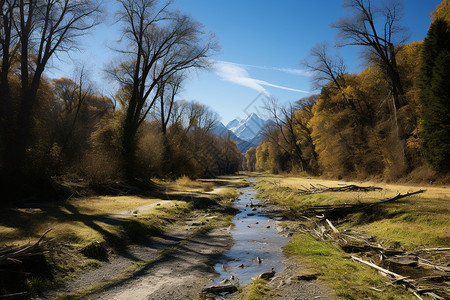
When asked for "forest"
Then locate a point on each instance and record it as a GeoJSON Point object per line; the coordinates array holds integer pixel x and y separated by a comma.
{"type": "Point", "coordinates": [56, 129]}
{"type": "Point", "coordinates": [389, 122]}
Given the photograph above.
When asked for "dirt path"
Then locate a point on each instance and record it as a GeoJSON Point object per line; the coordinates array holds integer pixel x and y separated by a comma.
{"type": "Point", "coordinates": [128, 213]}
{"type": "Point", "coordinates": [179, 274]}
{"type": "Point", "coordinates": [152, 270]}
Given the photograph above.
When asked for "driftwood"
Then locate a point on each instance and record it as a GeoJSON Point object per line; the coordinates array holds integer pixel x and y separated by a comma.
{"type": "Point", "coordinates": [332, 226]}
{"type": "Point", "coordinates": [14, 254]}
{"type": "Point", "coordinates": [424, 271]}
{"type": "Point", "coordinates": [404, 260]}
{"type": "Point", "coordinates": [219, 289]}
{"type": "Point", "coordinates": [412, 285]}
{"type": "Point", "coordinates": [428, 277]}
{"type": "Point", "coordinates": [320, 188]}
{"type": "Point", "coordinates": [395, 275]}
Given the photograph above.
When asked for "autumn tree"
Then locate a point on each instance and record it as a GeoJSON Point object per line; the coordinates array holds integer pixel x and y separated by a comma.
{"type": "Point", "coordinates": [78, 111]}
{"type": "Point", "coordinates": [442, 11]}
{"type": "Point", "coordinates": [286, 124]}
{"type": "Point", "coordinates": [250, 157]}
{"type": "Point", "coordinates": [435, 96]}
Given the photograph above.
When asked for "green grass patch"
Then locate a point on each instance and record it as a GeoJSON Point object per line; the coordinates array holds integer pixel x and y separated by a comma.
{"type": "Point", "coordinates": [258, 289]}
{"type": "Point", "coordinates": [349, 279]}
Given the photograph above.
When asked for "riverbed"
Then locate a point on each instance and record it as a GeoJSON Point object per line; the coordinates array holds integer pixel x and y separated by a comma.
{"type": "Point", "coordinates": [258, 245]}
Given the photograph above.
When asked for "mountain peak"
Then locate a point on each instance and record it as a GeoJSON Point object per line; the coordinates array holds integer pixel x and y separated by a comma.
{"type": "Point", "coordinates": [248, 128]}
{"type": "Point", "coordinates": [253, 115]}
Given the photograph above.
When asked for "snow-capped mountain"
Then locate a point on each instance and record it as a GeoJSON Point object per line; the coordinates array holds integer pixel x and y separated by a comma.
{"type": "Point", "coordinates": [249, 128]}
{"type": "Point", "coordinates": [246, 133]}
{"type": "Point", "coordinates": [220, 130]}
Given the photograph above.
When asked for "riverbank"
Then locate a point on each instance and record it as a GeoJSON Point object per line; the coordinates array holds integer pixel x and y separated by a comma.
{"type": "Point", "coordinates": [411, 223]}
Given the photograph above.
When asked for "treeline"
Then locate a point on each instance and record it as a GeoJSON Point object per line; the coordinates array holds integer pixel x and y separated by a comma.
{"type": "Point", "coordinates": [61, 128]}
{"type": "Point", "coordinates": [390, 121]}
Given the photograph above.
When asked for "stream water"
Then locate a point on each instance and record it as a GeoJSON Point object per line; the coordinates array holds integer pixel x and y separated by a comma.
{"type": "Point", "coordinates": [255, 236]}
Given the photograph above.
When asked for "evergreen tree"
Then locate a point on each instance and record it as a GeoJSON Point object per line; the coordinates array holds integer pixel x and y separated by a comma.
{"type": "Point", "coordinates": [435, 96]}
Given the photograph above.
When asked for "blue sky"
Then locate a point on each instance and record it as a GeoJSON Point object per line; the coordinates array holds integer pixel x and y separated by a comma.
{"type": "Point", "coordinates": [262, 43]}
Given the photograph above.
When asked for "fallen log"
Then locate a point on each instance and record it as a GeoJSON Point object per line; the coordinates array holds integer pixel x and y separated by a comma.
{"type": "Point", "coordinates": [399, 279]}
{"type": "Point", "coordinates": [432, 249]}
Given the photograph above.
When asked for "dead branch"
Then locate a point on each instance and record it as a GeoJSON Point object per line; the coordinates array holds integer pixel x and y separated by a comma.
{"type": "Point", "coordinates": [332, 226]}
{"type": "Point", "coordinates": [340, 210]}
{"type": "Point", "coordinates": [11, 254]}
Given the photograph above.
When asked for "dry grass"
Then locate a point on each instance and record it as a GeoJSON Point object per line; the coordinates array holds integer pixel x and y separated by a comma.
{"type": "Point", "coordinates": [442, 192]}
{"type": "Point", "coordinates": [186, 184]}
{"type": "Point", "coordinates": [76, 221]}
{"type": "Point", "coordinates": [417, 221]}
{"type": "Point", "coordinates": [228, 193]}
{"type": "Point", "coordinates": [105, 205]}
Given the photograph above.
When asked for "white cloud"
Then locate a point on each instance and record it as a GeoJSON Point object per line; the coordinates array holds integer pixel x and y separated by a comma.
{"type": "Point", "coordinates": [300, 72]}
{"type": "Point", "coordinates": [236, 73]}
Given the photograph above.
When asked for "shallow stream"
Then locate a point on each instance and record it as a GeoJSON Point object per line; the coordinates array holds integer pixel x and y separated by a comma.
{"type": "Point", "coordinates": [256, 237]}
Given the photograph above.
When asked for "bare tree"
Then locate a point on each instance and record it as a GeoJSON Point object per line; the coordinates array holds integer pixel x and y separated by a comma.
{"type": "Point", "coordinates": [326, 69]}
{"type": "Point", "coordinates": [168, 89]}
{"type": "Point", "coordinates": [363, 28]}
{"type": "Point", "coordinates": [284, 121]}
{"type": "Point", "coordinates": [8, 44]}
{"type": "Point", "coordinates": [45, 28]}
{"type": "Point", "coordinates": [73, 94]}
{"type": "Point", "coordinates": [200, 117]}
{"type": "Point", "coordinates": [8, 50]}
{"type": "Point", "coordinates": [162, 43]}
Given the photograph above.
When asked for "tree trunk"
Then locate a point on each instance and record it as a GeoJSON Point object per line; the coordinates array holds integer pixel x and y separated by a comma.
{"type": "Point", "coordinates": [129, 150]}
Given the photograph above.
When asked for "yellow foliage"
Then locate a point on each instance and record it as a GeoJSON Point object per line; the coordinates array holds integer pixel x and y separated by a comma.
{"type": "Point", "coordinates": [442, 11]}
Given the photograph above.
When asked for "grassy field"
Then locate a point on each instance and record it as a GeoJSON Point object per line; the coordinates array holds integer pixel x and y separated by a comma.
{"type": "Point", "coordinates": [416, 222]}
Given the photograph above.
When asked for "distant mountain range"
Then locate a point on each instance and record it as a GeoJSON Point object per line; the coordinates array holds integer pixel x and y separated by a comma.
{"type": "Point", "coordinates": [246, 133]}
